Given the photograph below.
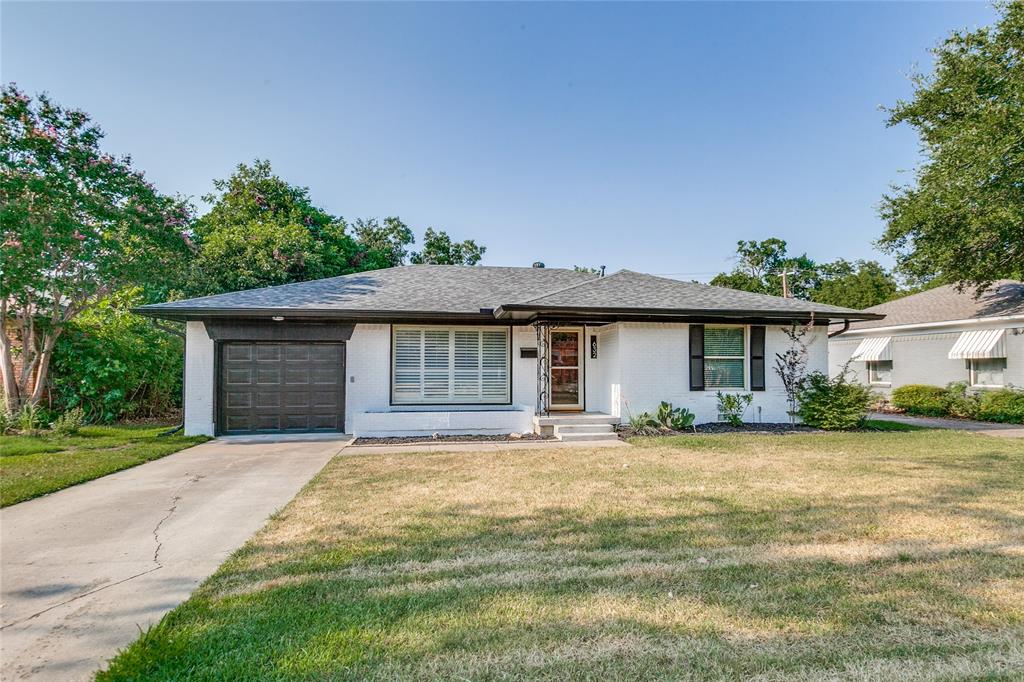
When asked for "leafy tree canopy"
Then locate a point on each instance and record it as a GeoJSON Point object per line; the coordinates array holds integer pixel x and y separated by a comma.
{"type": "Point", "coordinates": [386, 242]}
{"type": "Point", "coordinates": [439, 249]}
{"type": "Point", "coordinates": [963, 218]}
{"type": "Point", "coordinates": [77, 224]}
{"type": "Point", "coordinates": [860, 284]}
{"type": "Point", "coordinates": [263, 231]}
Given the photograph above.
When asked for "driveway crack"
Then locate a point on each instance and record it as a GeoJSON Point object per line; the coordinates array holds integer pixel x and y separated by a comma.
{"type": "Point", "coordinates": [175, 499]}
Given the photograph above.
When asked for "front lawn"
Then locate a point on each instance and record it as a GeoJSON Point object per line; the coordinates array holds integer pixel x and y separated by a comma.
{"type": "Point", "coordinates": [881, 555]}
{"type": "Point", "coordinates": [31, 466]}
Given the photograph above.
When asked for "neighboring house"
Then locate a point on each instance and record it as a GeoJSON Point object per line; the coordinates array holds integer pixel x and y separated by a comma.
{"type": "Point", "coordinates": [424, 349]}
{"type": "Point", "coordinates": [936, 337]}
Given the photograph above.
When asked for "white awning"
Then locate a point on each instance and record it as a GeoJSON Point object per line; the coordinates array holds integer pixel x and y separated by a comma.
{"type": "Point", "coordinates": [873, 349]}
{"type": "Point", "coordinates": [984, 343]}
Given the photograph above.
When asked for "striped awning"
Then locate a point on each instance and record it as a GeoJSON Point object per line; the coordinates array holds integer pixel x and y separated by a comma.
{"type": "Point", "coordinates": [975, 345]}
{"type": "Point", "coordinates": [873, 349]}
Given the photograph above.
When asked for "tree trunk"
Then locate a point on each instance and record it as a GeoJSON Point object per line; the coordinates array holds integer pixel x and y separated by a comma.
{"type": "Point", "coordinates": [11, 398]}
{"type": "Point", "coordinates": [43, 368]}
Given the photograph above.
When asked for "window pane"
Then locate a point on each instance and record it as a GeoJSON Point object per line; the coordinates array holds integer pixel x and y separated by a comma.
{"type": "Point", "coordinates": [880, 372]}
{"type": "Point", "coordinates": [723, 341]}
{"type": "Point", "coordinates": [723, 373]}
{"type": "Point", "coordinates": [989, 372]}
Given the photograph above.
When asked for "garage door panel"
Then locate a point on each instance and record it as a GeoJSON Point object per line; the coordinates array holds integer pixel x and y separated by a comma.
{"type": "Point", "coordinates": [268, 352]}
{"type": "Point", "coordinates": [276, 387]}
{"type": "Point", "coordinates": [238, 352]}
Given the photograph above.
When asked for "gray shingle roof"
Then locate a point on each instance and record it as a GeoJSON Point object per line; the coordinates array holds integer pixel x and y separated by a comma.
{"type": "Point", "coordinates": [409, 288]}
{"type": "Point", "coordinates": [628, 289]}
{"type": "Point", "coordinates": [945, 303]}
{"type": "Point", "coordinates": [437, 290]}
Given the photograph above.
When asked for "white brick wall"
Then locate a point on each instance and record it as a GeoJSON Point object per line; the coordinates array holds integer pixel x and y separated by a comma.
{"type": "Point", "coordinates": [199, 380]}
{"type": "Point", "coordinates": [921, 356]}
{"type": "Point", "coordinates": [643, 363]}
{"type": "Point", "coordinates": [654, 366]}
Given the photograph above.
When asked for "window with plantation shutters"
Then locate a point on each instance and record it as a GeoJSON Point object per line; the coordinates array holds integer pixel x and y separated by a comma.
{"type": "Point", "coordinates": [455, 365]}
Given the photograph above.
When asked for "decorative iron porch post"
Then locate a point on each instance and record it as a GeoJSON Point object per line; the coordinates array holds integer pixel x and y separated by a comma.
{"type": "Point", "coordinates": [543, 376]}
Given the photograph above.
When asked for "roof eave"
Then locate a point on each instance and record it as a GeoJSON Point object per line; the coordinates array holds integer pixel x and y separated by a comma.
{"type": "Point", "coordinates": [508, 311]}
{"type": "Point", "coordinates": [199, 313]}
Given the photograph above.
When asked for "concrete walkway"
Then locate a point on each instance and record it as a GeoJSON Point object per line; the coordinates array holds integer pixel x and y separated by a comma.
{"type": "Point", "coordinates": [84, 569]}
{"type": "Point", "coordinates": [988, 428]}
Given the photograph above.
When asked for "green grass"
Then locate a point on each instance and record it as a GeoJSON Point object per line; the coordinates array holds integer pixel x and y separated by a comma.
{"type": "Point", "coordinates": [888, 555]}
{"type": "Point", "coordinates": [31, 466]}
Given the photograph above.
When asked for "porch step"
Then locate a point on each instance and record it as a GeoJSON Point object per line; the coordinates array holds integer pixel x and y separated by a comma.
{"type": "Point", "coordinates": [575, 418]}
{"type": "Point", "coordinates": [577, 437]}
{"type": "Point", "coordinates": [563, 429]}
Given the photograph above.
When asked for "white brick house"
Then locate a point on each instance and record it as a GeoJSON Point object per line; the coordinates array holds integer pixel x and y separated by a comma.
{"type": "Point", "coordinates": [418, 350]}
{"type": "Point", "coordinates": [936, 337]}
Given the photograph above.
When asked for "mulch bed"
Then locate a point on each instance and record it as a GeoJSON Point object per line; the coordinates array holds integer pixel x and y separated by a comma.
{"type": "Point", "coordinates": [406, 440]}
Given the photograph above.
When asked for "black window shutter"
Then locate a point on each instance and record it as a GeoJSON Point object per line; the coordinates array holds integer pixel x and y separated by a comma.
{"type": "Point", "coordinates": [696, 357]}
{"type": "Point", "coordinates": [757, 358]}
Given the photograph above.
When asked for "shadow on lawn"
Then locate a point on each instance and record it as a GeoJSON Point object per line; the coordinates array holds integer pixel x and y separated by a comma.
{"type": "Point", "coordinates": [723, 590]}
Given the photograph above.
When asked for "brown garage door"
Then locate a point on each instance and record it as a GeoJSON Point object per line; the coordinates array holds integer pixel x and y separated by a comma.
{"type": "Point", "coordinates": [281, 387]}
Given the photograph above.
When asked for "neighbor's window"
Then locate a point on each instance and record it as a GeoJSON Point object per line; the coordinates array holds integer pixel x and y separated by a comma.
{"type": "Point", "coordinates": [880, 372]}
{"type": "Point", "coordinates": [463, 365]}
{"type": "Point", "coordinates": [987, 372]}
{"type": "Point", "coordinates": [724, 357]}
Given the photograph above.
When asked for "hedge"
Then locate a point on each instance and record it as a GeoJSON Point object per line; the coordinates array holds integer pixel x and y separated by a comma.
{"type": "Point", "coordinates": [921, 399]}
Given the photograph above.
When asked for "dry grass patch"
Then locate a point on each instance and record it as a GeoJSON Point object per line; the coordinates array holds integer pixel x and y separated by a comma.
{"type": "Point", "coordinates": [840, 556]}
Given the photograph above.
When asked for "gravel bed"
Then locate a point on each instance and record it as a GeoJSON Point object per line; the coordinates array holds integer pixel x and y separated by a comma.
{"type": "Point", "coordinates": [406, 440]}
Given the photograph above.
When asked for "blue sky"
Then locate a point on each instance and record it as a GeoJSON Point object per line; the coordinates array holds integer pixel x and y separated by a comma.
{"type": "Point", "coordinates": [641, 136]}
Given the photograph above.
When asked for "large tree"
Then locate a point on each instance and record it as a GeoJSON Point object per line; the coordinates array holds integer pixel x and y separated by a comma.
{"type": "Point", "coordinates": [386, 242]}
{"type": "Point", "coordinates": [439, 249]}
{"type": "Point", "coordinates": [760, 265]}
{"type": "Point", "coordinates": [857, 285]}
{"type": "Point", "coordinates": [962, 220]}
{"type": "Point", "coordinates": [263, 231]}
{"type": "Point", "coordinates": [77, 224]}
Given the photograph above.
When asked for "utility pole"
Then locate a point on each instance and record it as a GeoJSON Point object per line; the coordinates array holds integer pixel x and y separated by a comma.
{"type": "Point", "coordinates": [785, 282]}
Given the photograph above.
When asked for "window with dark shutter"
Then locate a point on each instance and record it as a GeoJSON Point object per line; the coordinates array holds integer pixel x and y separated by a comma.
{"type": "Point", "coordinates": [757, 358]}
{"type": "Point", "coordinates": [696, 357]}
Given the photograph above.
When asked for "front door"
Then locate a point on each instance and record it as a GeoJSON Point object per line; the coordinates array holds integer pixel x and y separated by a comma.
{"type": "Point", "coordinates": [566, 368]}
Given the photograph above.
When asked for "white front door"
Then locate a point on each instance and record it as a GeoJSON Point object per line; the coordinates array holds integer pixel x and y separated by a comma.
{"type": "Point", "coordinates": [566, 368]}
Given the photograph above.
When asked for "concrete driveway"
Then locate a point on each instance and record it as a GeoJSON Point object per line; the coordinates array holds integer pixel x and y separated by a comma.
{"type": "Point", "coordinates": [83, 569]}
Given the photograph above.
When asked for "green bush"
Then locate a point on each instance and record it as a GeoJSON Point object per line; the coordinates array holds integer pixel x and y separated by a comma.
{"type": "Point", "coordinates": [115, 365]}
{"type": "Point", "coordinates": [920, 399]}
{"type": "Point", "coordinates": [732, 406]}
{"type": "Point", "coordinates": [1002, 405]}
{"type": "Point", "coordinates": [833, 404]}
{"type": "Point", "coordinates": [960, 402]}
{"type": "Point", "coordinates": [69, 423]}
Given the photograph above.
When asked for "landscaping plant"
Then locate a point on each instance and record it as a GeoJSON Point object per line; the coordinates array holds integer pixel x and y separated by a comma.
{"type": "Point", "coordinates": [1002, 405]}
{"type": "Point", "coordinates": [833, 404]}
{"type": "Point", "coordinates": [960, 402]}
{"type": "Point", "coordinates": [929, 401]}
{"type": "Point", "coordinates": [791, 366]}
{"type": "Point", "coordinates": [732, 406]}
{"type": "Point", "coordinates": [674, 418]}
{"type": "Point", "coordinates": [69, 423]}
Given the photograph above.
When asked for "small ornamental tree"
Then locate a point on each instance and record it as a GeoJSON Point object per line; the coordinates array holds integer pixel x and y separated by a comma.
{"type": "Point", "coordinates": [76, 224]}
{"type": "Point", "coordinates": [791, 366]}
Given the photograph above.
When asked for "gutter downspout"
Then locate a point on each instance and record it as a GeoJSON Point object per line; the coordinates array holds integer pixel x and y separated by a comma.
{"type": "Point", "coordinates": [846, 326]}
{"type": "Point", "coordinates": [184, 352]}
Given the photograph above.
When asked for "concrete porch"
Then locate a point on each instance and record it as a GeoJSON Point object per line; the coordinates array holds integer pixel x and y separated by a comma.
{"type": "Point", "coordinates": [576, 426]}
